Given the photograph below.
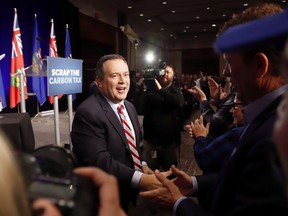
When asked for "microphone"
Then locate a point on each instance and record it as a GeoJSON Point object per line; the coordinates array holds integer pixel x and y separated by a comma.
{"type": "Point", "coordinates": [45, 42]}
{"type": "Point", "coordinates": [2, 56]}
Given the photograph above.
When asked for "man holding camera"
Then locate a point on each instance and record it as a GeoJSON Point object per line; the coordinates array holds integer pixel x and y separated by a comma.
{"type": "Point", "coordinates": [162, 122]}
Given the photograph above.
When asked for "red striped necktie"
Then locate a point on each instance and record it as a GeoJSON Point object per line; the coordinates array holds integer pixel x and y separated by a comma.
{"type": "Point", "coordinates": [130, 139]}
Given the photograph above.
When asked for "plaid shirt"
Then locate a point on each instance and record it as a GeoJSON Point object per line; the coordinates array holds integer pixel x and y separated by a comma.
{"type": "Point", "coordinates": [212, 155]}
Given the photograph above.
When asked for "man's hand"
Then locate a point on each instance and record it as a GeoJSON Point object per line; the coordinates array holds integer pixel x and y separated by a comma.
{"type": "Point", "coordinates": [198, 94]}
{"type": "Point", "coordinates": [214, 89]}
{"type": "Point", "coordinates": [167, 194]}
{"type": "Point", "coordinates": [183, 181]}
{"type": "Point", "coordinates": [150, 182]}
{"type": "Point", "coordinates": [108, 190]}
{"type": "Point", "coordinates": [198, 128]}
{"type": "Point", "coordinates": [158, 84]}
{"type": "Point", "coordinates": [147, 170]}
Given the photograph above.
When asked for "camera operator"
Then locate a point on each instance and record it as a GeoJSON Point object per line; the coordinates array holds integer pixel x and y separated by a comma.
{"type": "Point", "coordinates": [162, 121]}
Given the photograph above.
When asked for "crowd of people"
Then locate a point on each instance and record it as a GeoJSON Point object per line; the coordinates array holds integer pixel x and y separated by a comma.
{"type": "Point", "coordinates": [240, 143]}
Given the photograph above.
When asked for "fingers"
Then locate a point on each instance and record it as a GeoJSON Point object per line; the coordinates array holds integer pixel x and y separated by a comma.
{"type": "Point", "coordinates": [108, 186]}
{"type": "Point", "coordinates": [201, 119]}
{"type": "Point", "coordinates": [49, 208]}
{"type": "Point", "coordinates": [208, 127]}
{"type": "Point", "coordinates": [162, 179]}
{"type": "Point", "coordinates": [176, 171]}
{"type": "Point", "coordinates": [167, 173]}
{"type": "Point", "coordinates": [97, 175]}
{"type": "Point", "coordinates": [212, 81]}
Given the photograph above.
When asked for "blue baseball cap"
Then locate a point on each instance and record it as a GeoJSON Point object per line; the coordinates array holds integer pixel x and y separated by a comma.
{"type": "Point", "coordinates": [269, 30]}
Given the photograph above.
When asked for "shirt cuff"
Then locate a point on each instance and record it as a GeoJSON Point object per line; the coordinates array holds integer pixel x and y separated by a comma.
{"type": "Point", "coordinates": [178, 202]}
{"type": "Point", "coordinates": [136, 179]}
{"type": "Point", "coordinates": [144, 163]}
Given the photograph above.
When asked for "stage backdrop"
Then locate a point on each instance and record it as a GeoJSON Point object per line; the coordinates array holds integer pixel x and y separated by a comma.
{"type": "Point", "coordinates": [62, 11]}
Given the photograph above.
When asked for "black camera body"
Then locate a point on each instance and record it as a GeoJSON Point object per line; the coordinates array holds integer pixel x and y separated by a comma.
{"type": "Point", "coordinates": [152, 72]}
{"type": "Point", "coordinates": [49, 174]}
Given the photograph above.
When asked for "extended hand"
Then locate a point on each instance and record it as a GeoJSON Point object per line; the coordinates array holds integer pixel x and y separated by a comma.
{"type": "Point", "coordinates": [183, 181]}
{"type": "Point", "coordinates": [147, 170]}
{"type": "Point", "coordinates": [150, 182]}
{"type": "Point", "coordinates": [167, 194]}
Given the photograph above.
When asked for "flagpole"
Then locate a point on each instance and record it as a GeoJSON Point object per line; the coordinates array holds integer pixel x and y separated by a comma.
{"type": "Point", "coordinates": [68, 54]}
{"type": "Point", "coordinates": [56, 120]}
{"type": "Point", "coordinates": [22, 93]}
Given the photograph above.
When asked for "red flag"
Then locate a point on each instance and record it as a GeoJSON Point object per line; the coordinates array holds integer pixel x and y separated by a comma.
{"type": "Point", "coordinates": [17, 65]}
{"type": "Point", "coordinates": [53, 52]}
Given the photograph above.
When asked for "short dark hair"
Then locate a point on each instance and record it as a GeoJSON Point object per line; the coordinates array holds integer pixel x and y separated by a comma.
{"type": "Point", "coordinates": [102, 60]}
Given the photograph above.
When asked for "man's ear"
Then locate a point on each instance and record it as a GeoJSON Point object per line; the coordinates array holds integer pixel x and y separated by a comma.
{"type": "Point", "coordinates": [262, 64]}
{"type": "Point", "coordinates": [98, 83]}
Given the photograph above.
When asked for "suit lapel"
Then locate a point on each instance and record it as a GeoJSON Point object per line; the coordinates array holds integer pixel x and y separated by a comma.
{"type": "Point", "coordinates": [270, 110]}
{"type": "Point", "coordinates": [111, 116]}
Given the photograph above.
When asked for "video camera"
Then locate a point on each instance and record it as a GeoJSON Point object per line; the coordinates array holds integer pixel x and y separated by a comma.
{"type": "Point", "coordinates": [152, 72]}
{"type": "Point", "coordinates": [48, 173]}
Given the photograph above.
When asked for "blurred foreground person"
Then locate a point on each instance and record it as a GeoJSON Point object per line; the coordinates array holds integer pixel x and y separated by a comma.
{"type": "Point", "coordinates": [14, 194]}
{"type": "Point", "coordinates": [14, 199]}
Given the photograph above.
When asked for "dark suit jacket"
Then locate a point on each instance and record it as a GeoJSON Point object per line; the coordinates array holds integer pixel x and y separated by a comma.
{"type": "Point", "coordinates": [98, 140]}
{"type": "Point", "coordinates": [162, 121]}
{"type": "Point", "coordinates": [251, 182]}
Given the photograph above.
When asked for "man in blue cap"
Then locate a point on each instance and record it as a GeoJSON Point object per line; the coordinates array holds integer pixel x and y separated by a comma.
{"type": "Point", "coordinates": [252, 182]}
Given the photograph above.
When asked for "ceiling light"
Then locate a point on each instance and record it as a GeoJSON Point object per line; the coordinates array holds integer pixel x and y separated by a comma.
{"type": "Point", "coordinates": [208, 8]}
{"type": "Point", "coordinates": [162, 29]}
{"type": "Point", "coordinates": [171, 35]}
{"type": "Point", "coordinates": [195, 36]}
{"type": "Point", "coordinates": [129, 7]}
{"type": "Point", "coordinates": [184, 30]}
{"type": "Point", "coordinates": [150, 57]}
{"type": "Point", "coordinates": [197, 17]}
{"type": "Point", "coordinates": [213, 25]}
{"type": "Point", "coordinates": [224, 15]}
{"type": "Point", "coordinates": [149, 20]}
{"type": "Point", "coordinates": [284, 1]}
{"type": "Point", "coordinates": [204, 29]}
{"type": "Point", "coordinates": [245, 4]}
{"type": "Point", "coordinates": [164, 2]}
{"type": "Point", "coordinates": [187, 27]}
{"type": "Point", "coordinates": [141, 14]}
{"type": "Point", "coordinates": [173, 11]}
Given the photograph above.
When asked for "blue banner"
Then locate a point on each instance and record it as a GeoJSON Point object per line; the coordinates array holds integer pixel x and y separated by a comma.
{"type": "Point", "coordinates": [64, 75]}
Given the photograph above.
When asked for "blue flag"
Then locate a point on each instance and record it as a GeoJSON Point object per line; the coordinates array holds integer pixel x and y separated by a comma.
{"type": "Point", "coordinates": [38, 83]}
{"type": "Point", "coordinates": [68, 53]}
{"type": "Point", "coordinates": [2, 93]}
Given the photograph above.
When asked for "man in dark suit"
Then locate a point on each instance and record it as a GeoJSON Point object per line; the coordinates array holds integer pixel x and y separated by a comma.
{"type": "Point", "coordinates": [251, 182]}
{"type": "Point", "coordinates": [98, 136]}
